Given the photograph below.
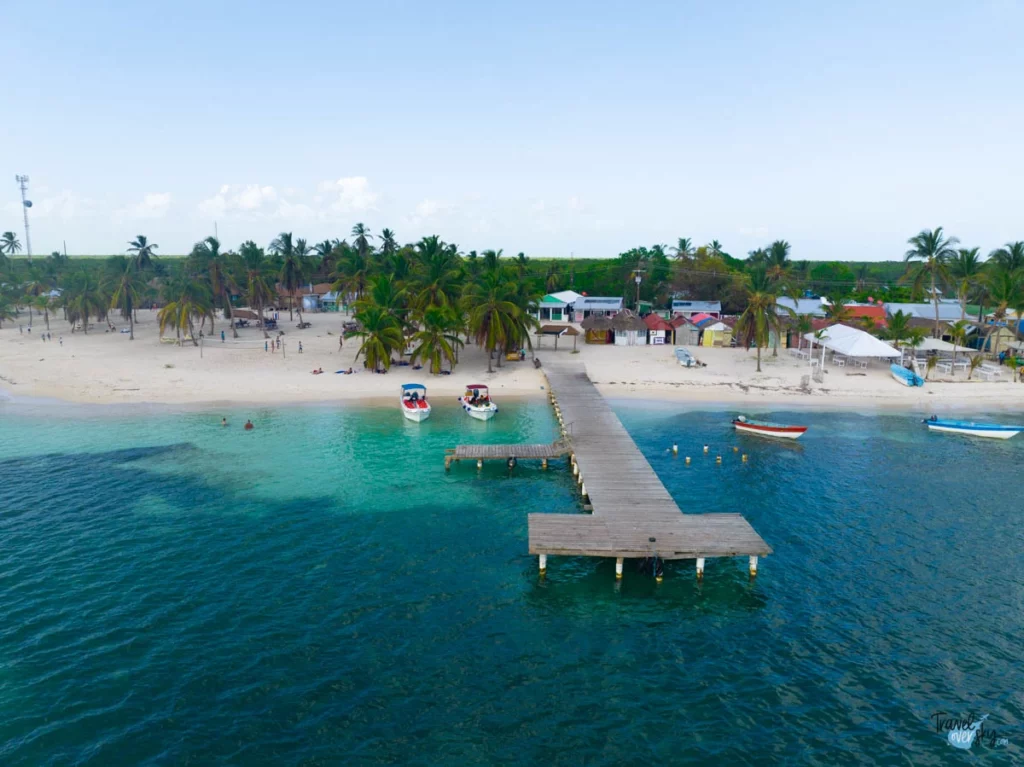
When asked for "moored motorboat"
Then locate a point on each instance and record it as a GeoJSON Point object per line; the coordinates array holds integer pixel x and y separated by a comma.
{"type": "Point", "coordinates": [767, 428]}
{"type": "Point", "coordinates": [904, 376]}
{"type": "Point", "coordinates": [477, 402]}
{"type": "Point", "coordinates": [973, 429]}
{"type": "Point", "coordinates": [414, 402]}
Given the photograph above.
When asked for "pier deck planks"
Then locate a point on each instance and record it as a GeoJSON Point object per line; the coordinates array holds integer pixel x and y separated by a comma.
{"type": "Point", "coordinates": [630, 504]}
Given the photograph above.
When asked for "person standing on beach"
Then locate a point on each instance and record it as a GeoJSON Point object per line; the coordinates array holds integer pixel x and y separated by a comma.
{"type": "Point", "coordinates": [61, 339]}
{"type": "Point", "coordinates": [21, 330]}
{"type": "Point", "coordinates": [265, 346]}
{"type": "Point", "coordinates": [222, 336]}
{"type": "Point", "coordinates": [300, 347]}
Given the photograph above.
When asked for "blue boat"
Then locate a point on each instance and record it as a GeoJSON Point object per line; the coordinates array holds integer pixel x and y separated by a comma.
{"type": "Point", "coordinates": [904, 376]}
{"type": "Point", "coordinates": [973, 429]}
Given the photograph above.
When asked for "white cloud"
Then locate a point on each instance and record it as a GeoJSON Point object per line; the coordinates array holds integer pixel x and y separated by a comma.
{"type": "Point", "coordinates": [153, 205]}
{"type": "Point", "coordinates": [351, 194]}
{"type": "Point", "coordinates": [429, 210]}
{"type": "Point", "coordinates": [238, 199]}
{"type": "Point", "coordinates": [63, 205]}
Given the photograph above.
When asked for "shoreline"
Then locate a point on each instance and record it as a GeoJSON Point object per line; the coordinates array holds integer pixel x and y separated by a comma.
{"type": "Point", "coordinates": [109, 371]}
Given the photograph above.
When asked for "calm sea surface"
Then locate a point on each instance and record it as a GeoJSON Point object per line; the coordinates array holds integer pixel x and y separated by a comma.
{"type": "Point", "coordinates": [319, 591]}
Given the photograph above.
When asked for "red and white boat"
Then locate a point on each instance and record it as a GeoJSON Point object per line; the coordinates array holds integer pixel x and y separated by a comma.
{"type": "Point", "coordinates": [477, 402]}
{"type": "Point", "coordinates": [767, 429]}
{"type": "Point", "coordinates": [414, 402]}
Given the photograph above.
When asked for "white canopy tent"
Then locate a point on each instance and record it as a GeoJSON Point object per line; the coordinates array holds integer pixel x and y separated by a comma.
{"type": "Point", "coordinates": [938, 345]}
{"type": "Point", "coordinates": [851, 342]}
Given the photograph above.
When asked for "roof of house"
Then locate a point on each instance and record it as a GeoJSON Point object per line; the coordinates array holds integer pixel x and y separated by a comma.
{"type": "Point", "coordinates": [654, 322]}
{"type": "Point", "coordinates": [598, 303]}
{"type": "Point", "coordinates": [696, 319]}
{"type": "Point", "coordinates": [558, 330]}
{"type": "Point", "coordinates": [811, 306]}
{"type": "Point", "coordinates": [597, 322]}
{"type": "Point", "coordinates": [696, 306]}
{"type": "Point", "coordinates": [947, 311]}
{"type": "Point", "coordinates": [678, 322]}
{"type": "Point", "coordinates": [627, 320]}
{"type": "Point", "coordinates": [872, 311]}
{"type": "Point", "coordinates": [550, 299]}
{"type": "Point", "coordinates": [568, 296]}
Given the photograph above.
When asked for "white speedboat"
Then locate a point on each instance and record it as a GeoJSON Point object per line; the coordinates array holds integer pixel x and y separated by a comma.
{"type": "Point", "coordinates": [414, 402]}
{"type": "Point", "coordinates": [972, 429]}
{"type": "Point", "coordinates": [477, 402]}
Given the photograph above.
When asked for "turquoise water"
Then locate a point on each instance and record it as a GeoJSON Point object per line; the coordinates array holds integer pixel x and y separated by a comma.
{"type": "Point", "coordinates": [319, 591]}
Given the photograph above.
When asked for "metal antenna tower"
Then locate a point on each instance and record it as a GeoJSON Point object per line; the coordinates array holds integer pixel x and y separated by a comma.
{"type": "Point", "coordinates": [25, 205]}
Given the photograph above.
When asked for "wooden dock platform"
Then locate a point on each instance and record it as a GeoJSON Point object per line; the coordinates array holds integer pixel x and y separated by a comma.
{"type": "Point", "coordinates": [633, 514]}
{"type": "Point", "coordinates": [545, 452]}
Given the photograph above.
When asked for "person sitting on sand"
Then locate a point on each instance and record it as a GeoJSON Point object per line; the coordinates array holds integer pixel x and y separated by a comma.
{"type": "Point", "coordinates": [318, 371]}
{"type": "Point", "coordinates": [249, 426]}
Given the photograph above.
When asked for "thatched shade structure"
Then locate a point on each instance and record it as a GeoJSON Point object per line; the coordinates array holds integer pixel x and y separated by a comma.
{"type": "Point", "coordinates": [557, 331]}
{"type": "Point", "coordinates": [626, 320]}
{"type": "Point", "coordinates": [597, 328]}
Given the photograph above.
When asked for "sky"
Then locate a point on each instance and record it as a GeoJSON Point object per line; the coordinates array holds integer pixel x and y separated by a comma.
{"type": "Point", "coordinates": [553, 128]}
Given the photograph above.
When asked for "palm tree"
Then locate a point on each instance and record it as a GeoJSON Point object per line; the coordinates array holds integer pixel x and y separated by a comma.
{"type": "Point", "coordinates": [381, 335]}
{"type": "Point", "coordinates": [958, 332]}
{"type": "Point", "coordinates": [837, 312]}
{"type": "Point", "coordinates": [125, 297]}
{"type": "Point", "coordinates": [388, 243]}
{"type": "Point", "coordinates": [899, 327]}
{"type": "Point", "coordinates": [492, 260]}
{"type": "Point", "coordinates": [554, 277]}
{"type": "Point", "coordinates": [760, 317]}
{"type": "Point", "coordinates": [143, 252]}
{"type": "Point", "coordinates": [42, 305]}
{"type": "Point", "coordinates": [6, 310]}
{"type": "Point", "coordinates": [522, 265]}
{"type": "Point", "coordinates": [436, 342]}
{"type": "Point", "coordinates": [9, 243]}
{"type": "Point", "coordinates": [683, 249]}
{"type": "Point", "coordinates": [804, 325]}
{"type": "Point", "coordinates": [965, 269]}
{"type": "Point", "coordinates": [1004, 290]}
{"type": "Point", "coordinates": [491, 313]}
{"type": "Point", "coordinates": [714, 248]}
{"type": "Point", "coordinates": [976, 360]}
{"type": "Point", "coordinates": [437, 273]}
{"type": "Point", "coordinates": [758, 257]}
{"type": "Point", "coordinates": [293, 271]}
{"type": "Point", "coordinates": [83, 297]}
{"type": "Point", "coordinates": [362, 240]}
{"type": "Point", "coordinates": [778, 262]}
{"type": "Point", "coordinates": [190, 300]}
{"type": "Point", "coordinates": [218, 267]}
{"type": "Point", "coordinates": [927, 259]}
{"type": "Point", "coordinates": [258, 292]}
{"type": "Point", "coordinates": [1010, 257]}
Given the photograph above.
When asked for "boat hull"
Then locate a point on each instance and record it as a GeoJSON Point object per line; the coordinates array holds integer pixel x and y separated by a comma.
{"type": "Point", "coordinates": [786, 432]}
{"type": "Point", "coordinates": [907, 378]}
{"type": "Point", "coordinates": [417, 414]}
{"type": "Point", "coordinates": [479, 413]}
{"type": "Point", "coordinates": [979, 431]}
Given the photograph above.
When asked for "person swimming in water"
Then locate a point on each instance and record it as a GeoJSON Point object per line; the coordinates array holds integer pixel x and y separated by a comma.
{"type": "Point", "coordinates": [223, 421]}
{"type": "Point", "coordinates": [249, 426]}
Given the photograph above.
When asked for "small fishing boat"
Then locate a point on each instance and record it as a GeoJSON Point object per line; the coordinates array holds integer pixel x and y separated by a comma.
{"type": "Point", "coordinates": [414, 402]}
{"type": "Point", "coordinates": [685, 358]}
{"type": "Point", "coordinates": [973, 429]}
{"type": "Point", "coordinates": [904, 376]}
{"type": "Point", "coordinates": [477, 402]}
{"type": "Point", "coordinates": [767, 429]}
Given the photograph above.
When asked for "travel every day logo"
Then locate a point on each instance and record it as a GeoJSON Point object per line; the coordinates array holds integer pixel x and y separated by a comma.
{"type": "Point", "coordinates": [962, 733]}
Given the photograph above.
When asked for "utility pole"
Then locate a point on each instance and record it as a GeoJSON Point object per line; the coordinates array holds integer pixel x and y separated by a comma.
{"type": "Point", "coordinates": [572, 271]}
{"type": "Point", "coordinates": [637, 278]}
{"type": "Point", "coordinates": [25, 205]}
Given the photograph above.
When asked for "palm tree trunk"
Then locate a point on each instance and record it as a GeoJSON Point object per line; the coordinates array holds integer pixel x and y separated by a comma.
{"type": "Point", "coordinates": [46, 315]}
{"type": "Point", "coordinates": [291, 305]}
{"type": "Point", "coordinates": [489, 368]}
{"type": "Point", "coordinates": [935, 300]}
{"type": "Point", "coordinates": [775, 351]}
{"type": "Point", "coordinates": [759, 358]}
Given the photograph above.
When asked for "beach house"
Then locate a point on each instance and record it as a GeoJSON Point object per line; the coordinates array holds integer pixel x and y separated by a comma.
{"type": "Point", "coordinates": [687, 333]}
{"type": "Point", "coordinates": [628, 329]}
{"type": "Point", "coordinates": [867, 316]}
{"type": "Point", "coordinates": [810, 306]}
{"type": "Point", "coordinates": [687, 308]}
{"type": "Point", "coordinates": [595, 306]}
{"type": "Point", "coordinates": [659, 330]}
{"type": "Point", "coordinates": [716, 332]}
{"type": "Point", "coordinates": [556, 307]}
{"type": "Point", "coordinates": [949, 310]}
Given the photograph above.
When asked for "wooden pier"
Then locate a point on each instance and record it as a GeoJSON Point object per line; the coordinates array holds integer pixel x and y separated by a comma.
{"type": "Point", "coordinates": [481, 453]}
{"type": "Point", "coordinates": [633, 514]}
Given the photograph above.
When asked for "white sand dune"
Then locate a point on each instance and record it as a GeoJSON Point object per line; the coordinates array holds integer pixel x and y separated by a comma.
{"type": "Point", "coordinates": [108, 368]}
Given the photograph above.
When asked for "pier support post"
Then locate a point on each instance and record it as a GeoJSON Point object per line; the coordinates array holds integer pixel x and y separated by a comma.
{"type": "Point", "coordinates": [542, 560]}
{"type": "Point", "coordinates": [479, 463]}
{"type": "Point", "coordinates": [618, 568]}
{"type": "Point", "coordinates": [700, 568]}
{"type": "Point", "coordinates": [583, 489]}
{"type": "Point", "coordinates": [575, 468]}
{"type": "Point", "coordinates": [753, 566]}
{"type": "Point", "coordinates": [544, 463]}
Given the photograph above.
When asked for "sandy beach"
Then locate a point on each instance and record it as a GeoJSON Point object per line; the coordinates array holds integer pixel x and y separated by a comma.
{"type": "Point", "coordinates": [108, 368]}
